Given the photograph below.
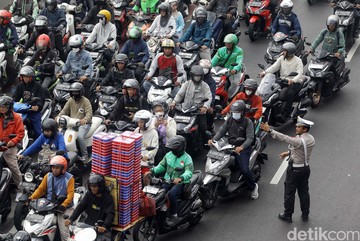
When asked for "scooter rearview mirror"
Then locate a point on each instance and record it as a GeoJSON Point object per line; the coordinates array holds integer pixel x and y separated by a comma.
{"type": "Point", "coordinates": [204, 100]}
{"type": "Point", "coordinates": [234, 64]}
{"type": "Point", "coordinates": [208, 133]}
{"type": "Point", "coordinates": [261, 66]}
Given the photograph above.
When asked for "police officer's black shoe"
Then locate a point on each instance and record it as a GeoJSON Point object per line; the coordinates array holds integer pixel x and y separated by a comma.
{"type": "Point", "coordinates": [285, 217]}
{"type": "Point", "coordinates": [305, 218]}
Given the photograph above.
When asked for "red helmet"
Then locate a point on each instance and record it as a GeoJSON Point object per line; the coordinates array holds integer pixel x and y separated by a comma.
{"type": "Point", "coordinates": [6, 16]}
{"type": "Point", "coordinates": [59, 161]}
{"type": "Point", "coordinates": [43, 42]}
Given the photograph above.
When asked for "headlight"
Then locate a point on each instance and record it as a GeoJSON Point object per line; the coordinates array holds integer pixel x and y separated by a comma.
{"type": "Point", "coordinates": [219, 165]}
{"type": "Point", "coordinates": [28, 177]}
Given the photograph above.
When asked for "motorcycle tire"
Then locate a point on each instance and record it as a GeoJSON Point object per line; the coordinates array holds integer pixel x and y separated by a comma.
{"type": "Point", "coordinates": [209, 200]}
{"type": "Point", "coordinates": [142, 232]}
{"type": "Point", "coordinates": [311, 2]}
{"type": "Point", "coordinates": [20, 213]}
{"type": "Point", "coordinates": [315, 98]}
{"type": "Point", "coordinates": [254, 29]}
{"type": "Point", "coordinates": [196, 220]}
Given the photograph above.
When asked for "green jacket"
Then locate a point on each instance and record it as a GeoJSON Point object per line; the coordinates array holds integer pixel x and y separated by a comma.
{"type": "Point", "coordinates": [332, 41]}
{"type": "Point", "coordinates": [222, 54]}
{"type": "Point", "coordinates": [170, 162]}
{"type": "Point", "coordinates": [144, 5]}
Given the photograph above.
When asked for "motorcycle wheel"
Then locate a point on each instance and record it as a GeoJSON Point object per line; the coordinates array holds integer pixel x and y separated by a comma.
{"type": "Point", "coordinates": [196, 220]}
{"type": "Point", "coordinates": [19, 215]}
{"type": "Point", "coordinates": [143, 232]}
{"type": "Point", "coordinates": [311, 2]}
{"type": "Point", "coordinates": [315, 98]}
{"type": "Point", "coordinates": [210, 199]}
{"type": "Point", "coordinates": [254, 30]}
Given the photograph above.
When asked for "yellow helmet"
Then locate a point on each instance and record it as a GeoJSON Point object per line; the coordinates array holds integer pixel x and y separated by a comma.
{"type": "Point", "coordinates": [106, 14]}
{"type": "Point", "coordinates": [168, 43]}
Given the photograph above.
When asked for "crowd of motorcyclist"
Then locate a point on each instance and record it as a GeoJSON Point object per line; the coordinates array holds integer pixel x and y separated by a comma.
{"type": "Point", "coordinates": [131, 71]}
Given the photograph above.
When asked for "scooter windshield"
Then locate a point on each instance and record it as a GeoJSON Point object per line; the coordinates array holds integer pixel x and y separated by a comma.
{"type": "Point", "coordinates": [266, 84]}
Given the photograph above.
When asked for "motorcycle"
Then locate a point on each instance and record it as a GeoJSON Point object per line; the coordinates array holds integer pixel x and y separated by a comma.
{"type": "Point", "coordinates": [273, 100]}
{"type": "Point", "coordinates": [190, 210]}
{"type": "Point", "coordinates": [345, 11]}
{"type": "Point", "coordinates": [259, 17]}
{"type": "Point", "coordinates": [121, 19]}
{"type": "Point", "coordinates": [186, 125]}
{"type": "Point", "coordinates": [107, 99]}
{"type": "Point", "coordinates": [3, 63]}
{"type": "Point", "coordinates": [5, 180]}
{"type": "Point", "coordinates": [227, 85]}
{"type": "Point", "coordinates": [190, 53]}
{"type": "Point", "coordinates": [40, 222]}
{"type": "Point", "coordinates": [274, 49]}
{"type": "Point", "coordinates": [70, 126]}
{"type": "Point", "coordinates": [22, 24]}
{"type": "Point", "coordinates": [141, 20]}
{"type": "Point", "coordinates": [71, 21]}
{"type": "Point", "coordinates": [324, 82]}
{"type": "Point", "coordinates": [223, 177]}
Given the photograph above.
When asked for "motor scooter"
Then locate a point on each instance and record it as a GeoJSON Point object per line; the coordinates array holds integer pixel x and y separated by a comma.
{"type": "Point", "coordinates": [190, 209]}
{"type": "Point", "coordinates": [345, 11]}
{"type": "Point", "coordinates": [259, 18]}
{"type": "Point", "coordinates": [22, 24]}
{"type": "Point", "coordinates": [107, 99]}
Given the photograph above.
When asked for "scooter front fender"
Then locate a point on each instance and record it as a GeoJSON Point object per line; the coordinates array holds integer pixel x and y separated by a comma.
{"type": "Point", "coordinates": [70, 137]}
{"type": "Point", "coordinates": [209, 178]}
{"type": "Point", "coordinates": [254, 18]}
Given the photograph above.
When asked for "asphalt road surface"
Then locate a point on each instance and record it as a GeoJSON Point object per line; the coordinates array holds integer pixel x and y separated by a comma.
{"type": "Point", "coordinates": [334, 181]}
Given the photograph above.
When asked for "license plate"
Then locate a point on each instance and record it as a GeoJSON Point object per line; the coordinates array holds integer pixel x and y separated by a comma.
{"type": "Point", "coordinates": [85, 34]}
{"type": "Point", "coordinates": [215, 155]}
{"type": "Point", "coordinates": [117, 13]}
{"type": "Point", "coordinates": [158, 92]}
{"type": "Point", "coordinates": [185, 55]}
{"type": "Point", "coordinates": [94, 55]}
{"type": "Point", "coordinates": [316, 66]}
{"type": "Point", "coordinates": [18, 29]}
{"type": "Point", "coordinates": [35, 218]}
{"type": "Point", "coordinates": [151, 189]}
{"type": "Point", "coordinates": [107, 98]}
{"type": "Point", "coordinates": [182, 119]}
{"type": "Point", "coordinates": [217, 97]}
{"type": "Point", "coordinates": [255, 4]}
{"type": "Point", "coordinates": [343, 13]}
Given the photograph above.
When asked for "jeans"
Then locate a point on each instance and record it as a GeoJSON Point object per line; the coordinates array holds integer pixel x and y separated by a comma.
{"type": "Point", "coordinates": [290, 93]}
{"type": "Point", "coordinates": [243, 162]}
{"type": "Point", "coordinates": [297, 178]}
{"type": "Point", "coordinates": [12, 163]}
{"type": "Point", "coordinates": [35, 118]}
{"type": "Point", "coordinates": [83, 130]}
{"type": "Point", "coordinates": [10, 68]}
{"type": "Point", "coordinates": [205, 53]}
{"type": "Point", "coordinates": [203, 126]}
{"type": "Point", "coordinates": [173, 192]}
{"type": "Point", "coordinates": [59, 46]}
{"type": "Point", "coordinates": [46, 82]}
{"type": "Point", "coordinates": [217, 26]}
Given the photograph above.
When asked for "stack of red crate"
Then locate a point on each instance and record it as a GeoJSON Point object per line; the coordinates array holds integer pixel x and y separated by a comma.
{"type": "Point", "coordinates": [136, 186]}
{"type": "Point", "coordinates": [122, 168]}
{"type": "Point", "coordinates": [101, 153]}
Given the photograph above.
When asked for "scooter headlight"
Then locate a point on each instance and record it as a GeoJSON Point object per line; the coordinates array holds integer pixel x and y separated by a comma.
{"type": "Point", "coordinates": [218, 165]}
{"type": "Point", "coordinates": [29, 177]}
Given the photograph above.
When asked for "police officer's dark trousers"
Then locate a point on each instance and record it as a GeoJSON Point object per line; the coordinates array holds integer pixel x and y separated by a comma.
{"type": "Point", "coordinates": [297, 178]}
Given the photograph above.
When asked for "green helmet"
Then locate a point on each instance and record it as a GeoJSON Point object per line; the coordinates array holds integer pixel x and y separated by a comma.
{"type": "Point", "coordinates": [135, 32]}
{"type": "Point", "coordinates": [231, 39]}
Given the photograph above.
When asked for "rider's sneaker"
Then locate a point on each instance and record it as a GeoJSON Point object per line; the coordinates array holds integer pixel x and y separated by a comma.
{"type": "Point", "coordinates": [255, 192]}
{"type": "Point", "coordinates": [173, 220]}
{"type": "Point", "coordinates": [18, 194]}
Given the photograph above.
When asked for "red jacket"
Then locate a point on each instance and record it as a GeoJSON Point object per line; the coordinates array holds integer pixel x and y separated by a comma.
{"type": "Point", "coordinates": [14, 126]}
{"type": "Point", "coordinates": [254, 101]}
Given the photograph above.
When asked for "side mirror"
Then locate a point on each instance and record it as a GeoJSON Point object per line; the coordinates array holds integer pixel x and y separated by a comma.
{"type": "Point", "coordinates": [208, 134]}
{"type": "Point", "coordinates": [180, 74]}
{"type": "Point", "coordinates": [218, 108]}
{"type": "Point", "coordinates": [110, 39]}
{"type": "Point", "coordinates": [60, 153]}
{"type": "Point", "coordinates": [12, 136]}
{"type": "Point", "coordinates": [261, 66]}
{"type": "Point", "coordinates": [234, 64]}
{"type": "Point", "coordinates": [150, 148]}
{"type": "Point", "coordinates": [293, 74]}
{"type": "Point", "coordinates": [204, 100]}
{"type": "Point", "coordinates": [179, 169]}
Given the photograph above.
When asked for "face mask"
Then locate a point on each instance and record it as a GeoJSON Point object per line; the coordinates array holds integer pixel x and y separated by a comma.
{"type": "Point", "coordinates": [248, 92]}
{"type": "Point", "coordinates": [75, 96]}
{"type": "Point", "coordinates": [206, 71]}
{"type": "Point", "coordinates": [197, 78]}
{"type": "Point", "coordinates": [102, 21]}
{"type": "Point", "coordinates": [75, 50]}
{"type": "Point", "coordinates": [159, 114]}
{"type": "Point", "coordinates": [236, 116]}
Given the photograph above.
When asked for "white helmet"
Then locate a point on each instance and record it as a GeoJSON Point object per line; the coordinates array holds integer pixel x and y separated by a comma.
{"type": "Point", "coordinates": [144, 115]}
{"type": "Point", "coordinates": [286, 6]}
{"type": "Point", "coordinates": [206, 64]}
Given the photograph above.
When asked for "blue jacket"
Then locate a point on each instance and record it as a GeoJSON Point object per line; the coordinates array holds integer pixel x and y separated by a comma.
{"type": "Point", "coordinates": [54, 16]}
{"type": "Point", "coordinates": [208, 79]}
{"type": "Point", "coordinates": [132, 50]}
{"type": "Point", "coordinates": [6, 32]}
{"type": "Point", "coordinates": [75, 62]}
{"type": "Point", "coordinates": [285, 24]}
{"type": "Point", "coordinates": [56, 144]}
{"type": "Point", "coordinates": [197, 33]}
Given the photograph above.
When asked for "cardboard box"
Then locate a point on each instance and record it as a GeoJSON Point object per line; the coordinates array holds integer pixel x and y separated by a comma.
{"type": "Point", "coordinates": [114, 188]}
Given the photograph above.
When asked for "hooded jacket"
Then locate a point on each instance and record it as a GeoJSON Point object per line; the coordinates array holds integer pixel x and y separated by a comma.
{"type": "Point", "coordinates": [191, 94]}
{"type": "Point", "coordinates": [253, 102]}
{"type": "Point", "coordinates": [26, 93]}
{"type": "Point", "coordinates": [132, 50]}
{"type": "Point", "coordinates": [157, 30]}
{"type": "Point", "coordinates": [124, 106]}
{"type": "Point", "coordinates": [285, 24]}
{"type": "Point", "coordinates": [101, 33]}
{"type": "Point", "coordinates": [150, 138]}
{"type": "Point", "coordinates": [221, 58]}
{"type": "Point", "coordinates": [14, 126]}
{"type": "Point", "coordinates": [198, 33]}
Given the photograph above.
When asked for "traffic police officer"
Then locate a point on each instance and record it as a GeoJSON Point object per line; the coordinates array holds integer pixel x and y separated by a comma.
{"type": "Point", "coordinates": [298, 171]}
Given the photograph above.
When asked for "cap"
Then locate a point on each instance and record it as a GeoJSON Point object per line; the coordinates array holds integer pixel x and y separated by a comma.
{"type": "Point", "coordinates": [303, 122]}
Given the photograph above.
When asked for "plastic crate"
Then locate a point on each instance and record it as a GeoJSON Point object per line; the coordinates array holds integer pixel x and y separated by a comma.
{"type": "Point", "coordinates": [132, 135]}
{"type": "Point", "coordinates": [101, 171]}
{"type": "Point", "coordinates": [123, 143]}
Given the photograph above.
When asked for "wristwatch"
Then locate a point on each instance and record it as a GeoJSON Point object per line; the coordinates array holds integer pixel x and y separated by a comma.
{"type": "Point", "coordinates": [270, 130]}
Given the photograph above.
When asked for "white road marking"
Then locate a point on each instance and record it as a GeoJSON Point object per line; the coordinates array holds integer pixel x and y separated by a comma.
{"type": "Point", "coordinates": [352, 50]}
{"type": "Point", "coordinates": [282, 168]}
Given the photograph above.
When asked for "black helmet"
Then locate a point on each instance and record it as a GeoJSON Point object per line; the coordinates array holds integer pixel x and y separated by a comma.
{"type": "Point", "coordinates": [197, 70]}
{"type": "Point", "coordinates": [100, 2]}
{"type": "Point", "coordinates": [121, 58]}
{"type": "Point", "coordinates": [200, 13]}
{"type": "Point", "coordinates": [250, 84]}
{"type": "Point", "coordinates": [332, 19]}
{"type": "Point", "coordinates": [132, 83]}
{"type": "Point", "coordinates": [22, 236]}
{"type": "Point", "coordinates": [176, 144]}
{"type": "Point", "coordinates": [50, 124]}
{"type": "Point", "coordinates": [290, 48]}
{"type": "Point", "coordinates": [98, 180]}
{"type": "Point", "coordinates": [51, 4]}
{"type": "Point", "coordinates": [238, 106]}
{"type": "Point", "coordinates": [8, 102]}
{"type": "Point", "coordinates": [163, 105]}
{"type": "Point", "coordinates": [164, 6]}
{"type": "Point", "coordinates": [76, 87]}
{"type": "Point", "coordinates": [41, 23]}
